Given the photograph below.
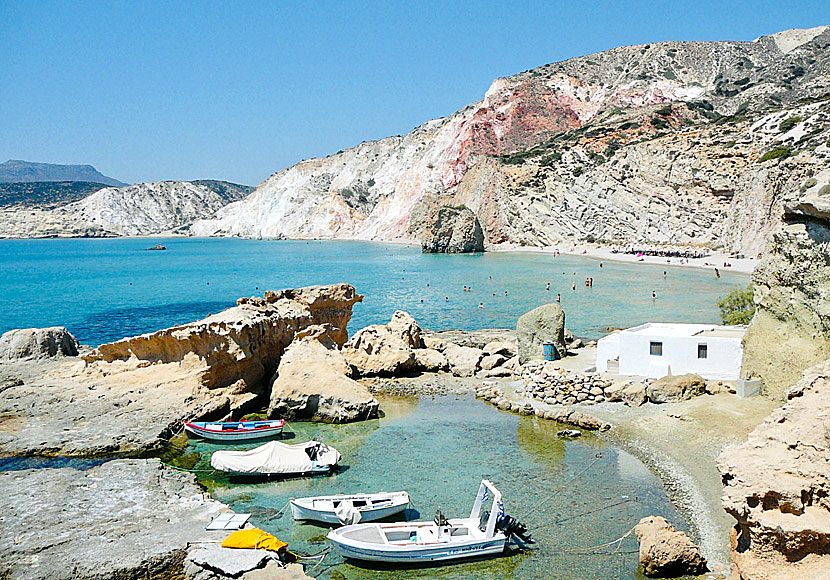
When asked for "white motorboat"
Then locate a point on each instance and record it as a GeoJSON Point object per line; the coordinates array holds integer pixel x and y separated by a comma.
{"type": "Point", "coordinates": [278, 459]}
{"type": "Point", "coordinates": [438, 540]}
{"type": "Point", "coordinates": [351, 509]}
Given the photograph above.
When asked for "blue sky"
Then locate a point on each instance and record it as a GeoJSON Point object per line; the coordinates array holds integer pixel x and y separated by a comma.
{"type": "Point", "coordinates": [235, 90]}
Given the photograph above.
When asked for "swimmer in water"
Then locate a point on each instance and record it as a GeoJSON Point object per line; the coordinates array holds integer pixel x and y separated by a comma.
{"type": "Point", "coordinates": [573, 286]}
{"type": "Point", "coordinates": [505, 292]}
{"type": "Point", "coordinates": [547, 287]}
{"type": "Point", "coordinates": [559, 298]}
{"type": "Point", "coordinates": [653, 295]}
{"type": "Point", "coordinates": [481, 305]}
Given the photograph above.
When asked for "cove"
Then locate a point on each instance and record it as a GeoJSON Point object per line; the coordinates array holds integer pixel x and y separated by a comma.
{"type": "Point", "coordinates": [105, 289]}
{"type": "Point", "coordinates": [572, 494]}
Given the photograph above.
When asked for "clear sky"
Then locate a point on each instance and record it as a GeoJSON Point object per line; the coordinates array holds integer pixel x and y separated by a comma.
{"type": "Point", "coordinates": [238, 90]}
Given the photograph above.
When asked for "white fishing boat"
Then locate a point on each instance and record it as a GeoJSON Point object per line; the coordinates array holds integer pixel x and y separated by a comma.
{"type": "Point", "coordinates": [278, 459]}
{"type": "Point", "coordinates": [349, 509]}
{"type": "Point", "coordinates": [439, 540]}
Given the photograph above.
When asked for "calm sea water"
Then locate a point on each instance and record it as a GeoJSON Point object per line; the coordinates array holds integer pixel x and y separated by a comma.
{"type": "Point", "coordinates": [103, 290]}
{"type": "Point", "coordinates": [573, 495]}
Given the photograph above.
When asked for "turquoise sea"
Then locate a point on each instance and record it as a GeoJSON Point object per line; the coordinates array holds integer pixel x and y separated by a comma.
{"type": "Point", "coordinates": [105, 289]}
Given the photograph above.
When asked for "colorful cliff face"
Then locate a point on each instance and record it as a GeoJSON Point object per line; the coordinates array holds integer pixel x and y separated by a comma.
{"type": "Point", "coordinates": [656, 143]}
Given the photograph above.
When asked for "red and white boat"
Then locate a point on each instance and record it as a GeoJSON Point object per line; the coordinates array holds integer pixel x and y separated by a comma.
{"type": "Point", "coordinates": [235, 430]}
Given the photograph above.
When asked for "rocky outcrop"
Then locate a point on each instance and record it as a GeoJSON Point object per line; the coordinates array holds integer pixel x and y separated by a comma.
{"type": "Point", "coordinates": [777, 485]}
{"type": "Point", "coordinates": [384, 349]}
{"type": "Point", "coordinates": [212, 562]}
{"type": "Point", "coordinates": [313, 383]}
{"type": "Point", "coordinates": [449, 230]}
{"type": "Point", "coordinates": [37, 343]}
{"type": "Point", "coordinates": [136, 210]}
{"type": "Point", "coordinates": [665, 552]}
{"type": "Point", "coordinates": [540, 325]}
{"type": "Point", "coordinates": [219, 366]}
{"type": "Point", "coordinates": [791, 327]}
{"type": "Point", "coordinates": [673, 388]}
{"type": "Point", "coordinates": [128, 518]}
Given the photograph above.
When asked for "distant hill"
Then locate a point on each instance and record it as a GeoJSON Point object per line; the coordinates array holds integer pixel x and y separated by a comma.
{"type": "Point", "coordinates": [45, 193]}
{"type": "Point", "coordinates": [16, 171]}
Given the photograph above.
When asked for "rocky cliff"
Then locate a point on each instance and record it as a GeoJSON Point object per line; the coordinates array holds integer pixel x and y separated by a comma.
{"type": "Point", "coordinates": [136, 210]}
{"type": "Point", "coordinates": [674, 142]}
{"type": "Point", "coordinates": [791, 327]}
{"type": "Point", "coordinates": [777, 486]}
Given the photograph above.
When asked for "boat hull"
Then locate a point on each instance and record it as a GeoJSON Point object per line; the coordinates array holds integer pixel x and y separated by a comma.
{"type": "Point", "coordinates": [234, 435]}
{"type": "Point", "coordinates": [422, 554]}
{"type": "Point", "coordinates": [301, 512]}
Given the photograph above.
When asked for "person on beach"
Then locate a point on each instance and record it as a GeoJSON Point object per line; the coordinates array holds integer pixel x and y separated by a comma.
{"type": "Point", "coordinates": [717, 273]}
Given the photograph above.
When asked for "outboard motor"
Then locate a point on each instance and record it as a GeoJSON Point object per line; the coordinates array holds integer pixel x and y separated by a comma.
{"type": "Point", "coordinates": [514, 528]}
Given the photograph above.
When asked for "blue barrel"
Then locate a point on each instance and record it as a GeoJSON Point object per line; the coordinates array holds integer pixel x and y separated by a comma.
{"type": "Point", "coordinates": [550, 351]}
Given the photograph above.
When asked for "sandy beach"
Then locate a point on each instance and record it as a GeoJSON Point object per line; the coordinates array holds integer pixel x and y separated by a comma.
{"type": "Point", "coordinates": [604, 253]}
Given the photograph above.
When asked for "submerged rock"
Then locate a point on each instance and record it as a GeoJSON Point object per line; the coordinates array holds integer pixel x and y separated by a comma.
{"type": "Point", "coordinates": [37, 343]}
{"type": "Point", "coordinates": [158, 247]}
{"type": "Point", "coordinates": [666, 552]}
{"type": "Point", "coordinates": [540, 325]}
{"type": "Point", "coordinates": [313, 383]}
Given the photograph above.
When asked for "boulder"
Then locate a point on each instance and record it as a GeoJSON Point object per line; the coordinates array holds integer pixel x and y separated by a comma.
{"type": "Point", "coordinates": [231, 562]}
{"type": "Point", "coordinates": [491, 361]}
{"type": "Point", "coordinates": [540, 325]}
{"type": "Point", "coordinates": [385, 349]}
{"type": "Point", "coordinates": [463, 360]}
{"type": "Point", "coordinates": [451, 230]}
{"type": "Point", "coordinates": [502, 347]}
{"type": "Point", "coordinates": [429, 360]}
{"type": "Point", "coordinates": [666, 552]}
{"type": "Point", "coordinates": [670, 389]}
{"type": "Point", "coordinates": [37, 343]}
{"type": "Point", "coordinates": [313, 383]}
{"type": "Point", "coordinates": [614, 392]}
{"type": "Point", "coordinates": [634, 394]}
{"type": "Point", "coordinates": [433, 342]}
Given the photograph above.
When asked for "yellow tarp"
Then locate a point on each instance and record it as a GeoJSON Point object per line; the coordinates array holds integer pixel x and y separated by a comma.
{"type": "Point", "coordinates": [254, 538]}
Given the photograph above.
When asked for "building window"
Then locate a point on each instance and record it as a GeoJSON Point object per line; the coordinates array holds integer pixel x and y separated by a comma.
{"type": "Point", "coordinates": [656, 349]}
{"type": "Point", "coordinates": [702, 351]}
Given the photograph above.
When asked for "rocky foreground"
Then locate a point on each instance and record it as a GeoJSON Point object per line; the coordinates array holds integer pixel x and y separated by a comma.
{"type": "Point", "coordinates": [777, 487]}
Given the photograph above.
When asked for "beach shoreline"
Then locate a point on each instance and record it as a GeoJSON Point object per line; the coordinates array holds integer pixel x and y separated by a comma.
{"type": "Point", "coordinates": [744, 266]}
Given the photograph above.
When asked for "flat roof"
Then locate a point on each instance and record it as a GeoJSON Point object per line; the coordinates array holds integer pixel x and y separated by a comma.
{"type": "Point", "coordinates": [686, 329]}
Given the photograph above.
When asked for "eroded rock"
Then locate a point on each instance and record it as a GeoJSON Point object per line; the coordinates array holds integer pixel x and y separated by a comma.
{"type": "Point", "coordinates": [385, 349]}
{"type": "Point", "coordinates": [128, 518]}
{"type": "Point", "coordinates": [450, 230]}
{"type": "Point", "coordinates": [313, 383]}
{"type": "Point", "coordinates": [777, 485]}
{"type": "Point", "coordinates": [666, 552]}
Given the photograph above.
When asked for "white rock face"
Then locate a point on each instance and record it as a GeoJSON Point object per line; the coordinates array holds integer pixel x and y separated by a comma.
{"type": "Point", "coordinates": [135, 210]}
{"type": "Point", "coordinates": [634, 174]}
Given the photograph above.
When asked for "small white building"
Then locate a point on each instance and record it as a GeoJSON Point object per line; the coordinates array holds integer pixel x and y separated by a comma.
{"type": "Point", "coordinates": [657, 349]}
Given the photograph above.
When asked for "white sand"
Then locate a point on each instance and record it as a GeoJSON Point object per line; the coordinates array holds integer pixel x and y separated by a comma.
{"type": "Point", "coordinates": [603, 253]}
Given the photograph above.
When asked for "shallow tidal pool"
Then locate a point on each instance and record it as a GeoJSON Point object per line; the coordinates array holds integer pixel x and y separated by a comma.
{"type": "Point", "coordinates": [572, 494]}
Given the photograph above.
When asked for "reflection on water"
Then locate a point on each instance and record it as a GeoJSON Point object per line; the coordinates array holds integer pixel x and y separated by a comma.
{"type": "Point", "coordinates": [572, 494]}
